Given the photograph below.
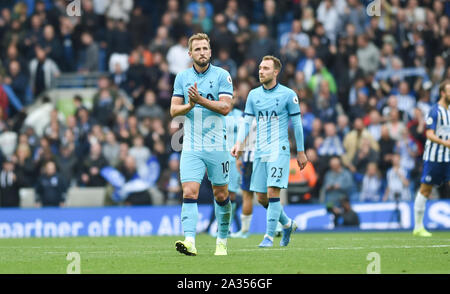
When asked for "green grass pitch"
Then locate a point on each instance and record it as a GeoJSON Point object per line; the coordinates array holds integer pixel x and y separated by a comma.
{"type": "Point", "coordinates": [308, 253]}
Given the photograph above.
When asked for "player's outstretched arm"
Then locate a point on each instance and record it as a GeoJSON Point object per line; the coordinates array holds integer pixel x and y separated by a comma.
{"type": "Point", "coordinates": [223, 106]}
{"type": "Point", "coordinates": [177, 106]}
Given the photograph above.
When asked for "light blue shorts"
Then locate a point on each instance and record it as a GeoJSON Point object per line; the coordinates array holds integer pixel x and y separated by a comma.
{"type": "Point", "coordinates": [270, 174]}
{"type": "Point", "coordinates": [235, 176]}
{"type": "Point", "coordinates": [193, 165]}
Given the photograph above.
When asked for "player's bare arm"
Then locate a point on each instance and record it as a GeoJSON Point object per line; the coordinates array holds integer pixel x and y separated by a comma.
{"type": "Point", "coordinates": [432, 137]}
{"type": "Point", "coordinates": [177, 106]}
{"type": "Point", "coordinates": [223, 106]}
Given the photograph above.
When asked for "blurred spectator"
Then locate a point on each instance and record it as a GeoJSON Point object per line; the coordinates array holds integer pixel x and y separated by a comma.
{"type": "Point", "coordinates": [325, 103]}
{"type": "Point", "coordinates": [24, 165]}
{"type": "Point", "coordinates": [10, 183]}
{"type": "Point", "coordinates": [103, 109]}
{"type": "Point", "coordinates": [271, 17]}
{"type": "Point", "coordinates": [42, 72]}
{"type": "Point", "coordinates": [371, 184]}
{"type": "Point", "coordinates": [33, 36]}
{"type": "Point", "coordinates": [169, 182]}
{"type": "Point", "coordinates": [343, 214]}
{"type": "Point", "coordinates": [308, 20]}
{"type": "Point", "coordinates": [67, 163]}
{"type": "Point", "coordinates": [342, 127]}
{"type": "Point", "coordinates": [162, 41]}
{"type": "Point", "coordinates": [397, 182]}
{"type": "Point", "coordinates": [407, 149]}
{"type": "Point", "coordinates": [139, 27]}
{"type": "Point", "coordinates": [332, 144]}
{"type": "Point", "coordinates": [307, 64]}
{"type": "Point", "coordinates": [320, 74]}
{"type": "Point", "coordinates": [232, 14]}
{"type": "Point", "coordinates": [50, 189]}
{"type": "Point", "coordinates": [224, 61]}
{"type": "Point", "coordinates": [374, 126]}
{"type": "Point", "coordinates": [111, 149]}
{"type": "Point", "coordinates": [296, 34]}
{"type": "Point", "coordinates": [368, 55]}
{"type": "Point", "coordinates": [353, 140]}
{"type": "Point", "coordinates": [406, 102]}
{"type": "Point", "coordinates": [18, 80]}
{"type": "Point", "coordinates": [395, 125]}
{"type": "Point", "coordinates": [338, 182]}
{"type": "Point", "coordinates": [149, 109]}
{"type": "Point", "coordinates": [364, 155]}
{"type": "Point", "coordinates": [221, 37]}
{"type": "Point", "coordinates": [67, 38]}
{"type": "Point", "coordinates": [139, 152]}
{"type": "Point", "coordinates": [195, 6]}
{"type": "Point", "coordinates": [88, 59]}
{"type": "Point", "coordinates": [129, 171]}
{"type": "Point", "coordinates": [306, 177]}
{"type": "Point", "coordinates": [263, 44]}
{"type": "Point", "coordinates": [91, 166]}
{"type": "Point", "coordinates": [242, 38]}
{"type": "Point", "coordinates": [51, 45]}
{"type": "Point", "coordinates": [387, 145]}
{"type": "Point", "coordinates": [203, 20]}
{"type": "Point", "coordinates": [178, 57]}
{"type": "Point", "coordinates": [354, 13]}
{"type": "Point", "coordinates": [328, 15]}
{"type": "Point", "coordinates": [119, 9]}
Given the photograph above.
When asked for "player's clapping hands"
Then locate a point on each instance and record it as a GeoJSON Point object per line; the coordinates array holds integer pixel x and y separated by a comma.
{"type": "Point", "coordinates": [194, 95]}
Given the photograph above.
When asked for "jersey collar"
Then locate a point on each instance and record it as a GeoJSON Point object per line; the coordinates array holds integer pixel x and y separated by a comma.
{"type": "Point", "coordinates": [271, 89]}
{"type": "Point", "coordinates": [202, 73]}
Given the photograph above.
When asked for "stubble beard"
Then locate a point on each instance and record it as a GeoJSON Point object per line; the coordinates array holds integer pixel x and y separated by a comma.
{"type": "Point", "coordinates": [202, 63]}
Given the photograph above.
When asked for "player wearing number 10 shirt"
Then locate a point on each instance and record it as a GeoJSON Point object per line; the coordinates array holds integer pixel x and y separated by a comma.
{"type": "Point", "coordinates": [203, 94]}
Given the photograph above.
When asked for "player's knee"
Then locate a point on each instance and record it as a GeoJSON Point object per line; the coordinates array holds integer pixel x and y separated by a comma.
{"type": "Point", "coordinates": [190, 193]}
{"type": "Point", "coordinates": [220, 195]}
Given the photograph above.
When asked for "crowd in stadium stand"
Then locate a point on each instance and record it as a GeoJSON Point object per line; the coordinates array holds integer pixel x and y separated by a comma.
{"type": "Point", "coordinates": [365, 86]}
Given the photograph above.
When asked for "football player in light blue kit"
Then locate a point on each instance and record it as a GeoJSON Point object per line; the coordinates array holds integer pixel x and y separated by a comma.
{"type": "Point", "coordinates": [272, 104]}
{"type": "Point", "coordinates": [203, 93]}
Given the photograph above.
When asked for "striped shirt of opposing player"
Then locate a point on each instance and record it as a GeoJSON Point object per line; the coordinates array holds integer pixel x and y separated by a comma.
{"type": "Point", "coordinates": [438, 120]}
{"type": "Point", "coordinates": [250, 144]}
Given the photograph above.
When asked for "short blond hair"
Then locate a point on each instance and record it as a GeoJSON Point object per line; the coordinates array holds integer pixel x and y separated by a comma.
{"type": "Point", "coordinates": [443, 85]}
{"type": "Point", "coordinates": [276, 62]}
{"type": "Point", "coordinates": [198, 37]}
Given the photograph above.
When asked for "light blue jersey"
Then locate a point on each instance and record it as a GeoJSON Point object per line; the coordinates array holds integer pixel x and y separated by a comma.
{"type": "Point", "coordinates": [204, 142]}
{"type": "Point", "coordinates": [272, 109]}
{"type": "Point", "coordinates": [204, 129]}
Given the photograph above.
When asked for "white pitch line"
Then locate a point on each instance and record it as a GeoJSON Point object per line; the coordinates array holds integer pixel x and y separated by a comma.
{"type": "Point", "coordinates": [346, 248]}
